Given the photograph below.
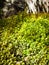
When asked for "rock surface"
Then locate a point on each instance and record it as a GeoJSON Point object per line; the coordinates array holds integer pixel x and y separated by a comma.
{"type": "Point", "coordinates": [11, 7]}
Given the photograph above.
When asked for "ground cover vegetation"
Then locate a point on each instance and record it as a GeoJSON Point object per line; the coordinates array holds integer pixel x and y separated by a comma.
{"type": "Point", "coordinates": [24, 40]}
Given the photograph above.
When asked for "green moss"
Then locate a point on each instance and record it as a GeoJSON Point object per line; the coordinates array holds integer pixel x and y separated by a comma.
{"type": "Point", "coordinates": [24, 40]}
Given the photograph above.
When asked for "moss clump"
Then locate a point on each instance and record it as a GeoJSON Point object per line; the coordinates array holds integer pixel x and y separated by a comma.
{"type": "Point", "coordinates": [24, 40]}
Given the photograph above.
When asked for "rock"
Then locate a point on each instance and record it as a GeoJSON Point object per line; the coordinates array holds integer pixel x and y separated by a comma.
{"type": "Point", "coordinates": [11, 7]}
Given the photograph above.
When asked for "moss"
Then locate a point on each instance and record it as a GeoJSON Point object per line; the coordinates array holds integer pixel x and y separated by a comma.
{"type": "Point", "coordinates": [24, 40]}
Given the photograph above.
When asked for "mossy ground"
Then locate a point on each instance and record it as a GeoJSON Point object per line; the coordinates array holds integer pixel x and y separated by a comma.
{"type": "Point", "coordinates": [24, 39]}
